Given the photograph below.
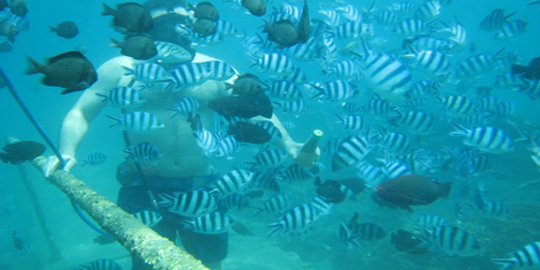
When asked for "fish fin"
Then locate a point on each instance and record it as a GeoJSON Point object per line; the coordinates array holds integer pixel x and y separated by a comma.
{"type": "Point", "coordinates": [107, 10]}
{"type": "Point", "coordinates": [67, 91]}
{"type": "Point", "coordinates": [4, 157]}
{"type": "Point", "coordinates": [406, 207]}
{"type": "Point", "coordinates": [505, 263]}
{"type": "Point", "coordinates": [35, 67]}
{"type": "Point", "coordinates": [67, 55]}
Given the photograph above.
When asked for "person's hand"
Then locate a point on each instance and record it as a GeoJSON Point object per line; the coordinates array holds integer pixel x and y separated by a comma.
{"type": "Point", "coordinates": [53, 163]}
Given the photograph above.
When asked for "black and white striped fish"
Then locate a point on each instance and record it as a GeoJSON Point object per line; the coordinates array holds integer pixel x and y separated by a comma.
{"type": "Point", "coordinates": [187, 75]}
{"type": "Point", "coordinates": [428, 10]}
{"type": "Point", "coordinates": [264, 180]}
{"type": "Point", "coordinates": [395, 142]}
{"type": "Point", "coordinates": [454, 241]}
{"type": "Point", "coordinates": [394, 168]}
{"type": "Point", "coordinates": [390, 79]}
{"type": "Point", "coordinates": [350, 152]}
{"type": "Point", "coordinates": [346, 69]}
{"type": "Point", "coordinates": [433, 44]}
{"type": "Point", "coordinates": [190, 204]}
{"type": "Point", "coordinates": [232, 201]}
{"type": "Point", "coordinates": [378, 107]}
{"type": "Point", "coordinates": [386, 17]}
{"type": "Point", "coordinates": [511, 30]}
{"type": "Point", "coordinates": [353, 123]}
{"type": "Point", "coordinates": [476, 65]}
{"type": "Point", "coordinates": [234, 181]}
{"type": "Point", "coordinates": [284, 89]}
{"type": "Point", "coordinates": [219, 70]}
{"type": "Point", "coordinates": [171, 53]}
{"type": "Point", "coordinates": [185, 106]}
{"type": "Point", "coordinates": [524, 258]}
{"type": "Point", "coordinates": [148, 218]}
{"type": "Point", "coordinates": [495, 20]}
{"type": "Point", "coordinates": [213, 223]}
{"type": "Point", "coordinates": [103, 264]}
{"type": "Point", "coordinates": [274, 132]}
{"type": "Point", "coordinates": [269, 157]}
{"type": "Point", "coordinates": [297, 76]}
{"type": "Point", "coordinates": [431, 221]}
{"type": "Point", "coordinates": [458, 104]}
{"type": "Point", "coordinates": [94, 159]}
{"type": "Point", "coordinates": [487, 139]}
{"type": "Point", "coordinates": [434, 63]}
{"type": "Point", "coordinates": [410, 28]}
{"type": "Point", "coordinates": [351, 30]}
{"type": "Point", "coordinates": [139, 122]}
{"type": "Point", "coordinates": [143, 152]}
{"type": "Point", "coordinates": [373, 175]}
{"type": "Point", "coordinates": [275, 204]}
{"type": "Point", "coordinates": [335, 90]}
{"type": "Point", "coordinates": [225, 28]}
{"type": "Point", "coordinates": [149, 73]}
{"type": "Point", "coordinates": [417, 122]}
{"type": "Point", "coordinates": [350, 12]}
{"type": "Point", "coordinates": [275, 63]}
{"type": "Point", "coordinates": [295, 172]}
{"type": "Point", "coordinates": [124, 97]}
{"type": "Point", "coordinates": [296, 221]}
{"type": "Point", "coordinates": [404, 8]}
{"type": "Point", "coordinates": [296, 106]}
{"type": "Point", "coordinates": [332, 16]}
{"type": "Point", "coordinates": [226, 147]}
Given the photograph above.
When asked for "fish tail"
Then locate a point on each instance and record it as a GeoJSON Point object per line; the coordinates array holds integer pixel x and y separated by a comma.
{"type": "Point", "coordinates": [116, 43]}
{"type": "Point", "coordinates": [107, 10]}
{"type": "Point", "coordinates": [118, 121]}
{"type": "Point", "coordinates": [4, 157]}
{"type": "Point", "coordinates": [460, 130]}
{"type": "Point", "coordinates": [507, 264]}
{"type": "Point", "coordinates": [35, 67]}
{"type": "Point", "coordinates": [52, 29]}
{"type": "Point", "coordinates": [517, 69]}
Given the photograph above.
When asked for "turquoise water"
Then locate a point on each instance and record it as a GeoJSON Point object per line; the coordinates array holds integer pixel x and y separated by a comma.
{"type": "Point", "coordinates": [506, 182]}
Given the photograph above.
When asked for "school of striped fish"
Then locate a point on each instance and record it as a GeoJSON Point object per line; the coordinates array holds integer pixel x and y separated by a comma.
{"type": "Point", "coordinates": [433, 104]}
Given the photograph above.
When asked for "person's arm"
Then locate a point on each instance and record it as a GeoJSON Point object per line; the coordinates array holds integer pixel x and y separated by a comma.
{"type": "Point", "coordinates": [77, 120]}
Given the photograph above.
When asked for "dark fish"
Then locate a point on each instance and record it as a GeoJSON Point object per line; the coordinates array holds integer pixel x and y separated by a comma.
{"type": "Point", "coordinates": [205, 10]}
{"type": "Point", "coordinates": [19, 152]}
{"type": "Point", "coordinates": [139, 47]}
{"type": "Point", "coordinates": [304, 25]}
{"type": "Point", "coordinates": [255, 7]}
{"type": "Point", "coordinates": [244, 107]}
{"type": "Point", "coordinates": [246, 84]}
{"type": "Point", "coordinates": [249, 133]}
{"type": "Point", "coordinates": [531, 72]}
{"type": "Point", "coordinates": [8, 30]}
{"type": "Point", "coordinates": [21, 246]}
{"type": "Point", "coordinates": [18, 7]}
{"type": "Point", "coordinates": [405, 241]}
{"type": "Point", "coordinates": [355, 185]}
{"type": "Point", "coordinates": [5, 46]}
{"type": "Point", "coordinates": [283, 33]}
{"type": "Point", "coordinates": [130, 16]}
{"type": "Point", "coordinates": [66, 30]}
{"type": "Point", "coordinates": [3, 4]}
{"type": "Point", "coordinates": [204, 27]}
{"type": "Point", "coordinates": [407, 190]}
{"type": "Point", "coordinates": [69, 70]}
{"type": "Point", "coordinates": [330, 190]}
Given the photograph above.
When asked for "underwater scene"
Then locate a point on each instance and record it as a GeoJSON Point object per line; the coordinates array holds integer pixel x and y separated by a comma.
{"type": "Point", "coordinates": [269, 134]}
